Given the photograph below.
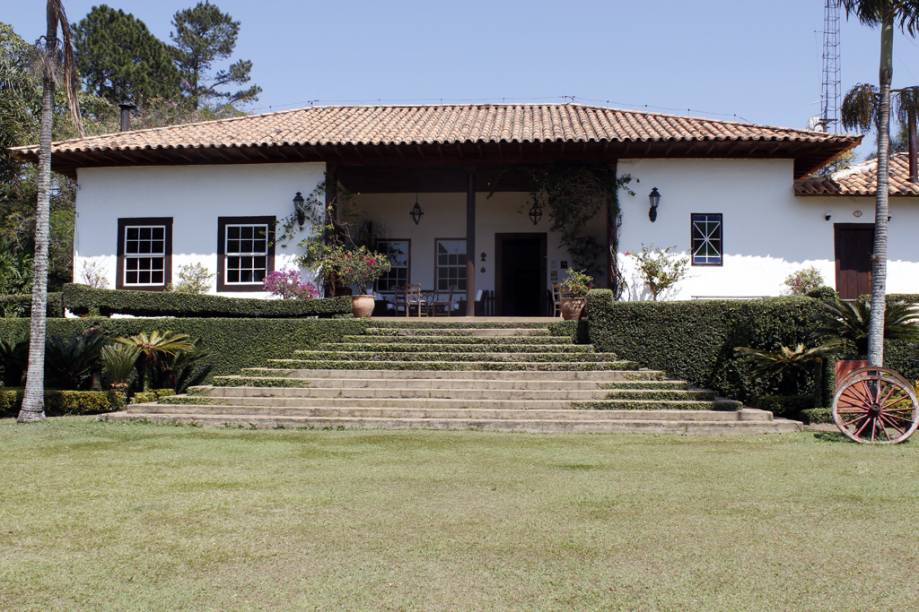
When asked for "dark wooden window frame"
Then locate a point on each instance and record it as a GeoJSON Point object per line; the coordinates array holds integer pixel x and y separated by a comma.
{"type": "Point", "coordinates": [126, 222]}
{"type": "Point", "coordinates": [436, 240]}
{"type": "Point", "coordinates": [222, 223]}
{"type": "Point", "coordinates": [692, 260]}
{"type": "Point", "coordinates": [408, 275]}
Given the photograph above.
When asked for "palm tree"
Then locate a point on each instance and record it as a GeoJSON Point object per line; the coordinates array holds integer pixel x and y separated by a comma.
{"type": "Point", "coordinates": [860, 111]}
{"type": "Point", "coordinates": [155, 345]}
{"type": "Point", "coordinates": [886, 14]}
{"type": "Point", "coordinates": [33, 400]}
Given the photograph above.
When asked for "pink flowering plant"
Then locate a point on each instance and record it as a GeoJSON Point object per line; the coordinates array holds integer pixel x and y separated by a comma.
{"type": "Point", "coordinates": [360, 267]}
{"type": "Point", "coordinates": [286, 284]}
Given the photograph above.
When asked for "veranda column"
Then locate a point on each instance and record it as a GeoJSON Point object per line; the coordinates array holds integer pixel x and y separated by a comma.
{"type": "Point", "coordinates": [470, 242]}
{"type": "Point", "coordinates": [331, 197]}
{"type": "Point", "coordinates": [612, 228]}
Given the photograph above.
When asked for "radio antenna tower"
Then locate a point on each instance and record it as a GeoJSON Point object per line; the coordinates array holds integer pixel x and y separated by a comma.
{"type": "Point", "coordinates": [830, 93]}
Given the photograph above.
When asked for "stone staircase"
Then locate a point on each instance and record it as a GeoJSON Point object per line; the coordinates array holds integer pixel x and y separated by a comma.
{"type": "Point", "coordinates": [445, 375]}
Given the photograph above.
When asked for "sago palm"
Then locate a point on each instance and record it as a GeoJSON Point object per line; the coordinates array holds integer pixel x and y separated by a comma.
{"type": "Point", "coordinates": [155, 345]}
{"type": "Point", "coordinates": [887, 15]}
{"type": "Point", "coordinates": [851, 322]}
{"type": "Point", "coordinates": [33, 400]}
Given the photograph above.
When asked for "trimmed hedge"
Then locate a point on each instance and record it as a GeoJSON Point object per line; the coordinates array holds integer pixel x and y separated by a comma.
{"type": "Point", "coordinates": [20, 305]}
{"type": "Point", "coordinates": [695, 340]}
{"type": "Point", "coordinates": [233, 344]}
{"type": "Point", "coordinates": [83, 300]}
{"type": "Point", "coordinates": [63, 402]}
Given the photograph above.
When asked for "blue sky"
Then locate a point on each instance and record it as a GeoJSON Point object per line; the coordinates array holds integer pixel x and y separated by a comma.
{"type": "Point", "coordinates": [758, 61]}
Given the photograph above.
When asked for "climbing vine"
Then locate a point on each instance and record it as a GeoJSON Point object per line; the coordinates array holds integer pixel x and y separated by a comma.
{"type": "Point", "coordinates": [574, 194]}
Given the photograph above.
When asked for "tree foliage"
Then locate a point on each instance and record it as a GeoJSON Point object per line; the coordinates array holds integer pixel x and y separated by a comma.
{"type": "Point", "coordinates": [119, 59]}
{"type": "Point", "coordinates": [204, 35]}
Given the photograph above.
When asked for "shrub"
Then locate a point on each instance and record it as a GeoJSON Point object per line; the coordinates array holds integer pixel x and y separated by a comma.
{"type": "Point", "coordinates": [355, 266]}
{"type": "Point", "coordinates": [194, 279]}
{"type": "Point", "coordinates": [93, 275]}
{"type": "Point", "coordinates": [118, 362]}
{"type": "Point", "coordinates": [804, 281]}
{"type": "Point", "coordinates": [154, 347]}
{"type": "Point", "coordinates": [287, 285]}
{"type": "Point", "coordinates": [71, 362]}
{"type": "Point", "coordinates": [849, 321]}
{"type": "Point", "coordinates": [20, 305]}
{"type": "Point", "coordinates": [661, 269]}
{"type": "Point", "coordinates": [823, 293]}
{"type": "Point", "coordinates": [696, 340]}
{"type": "Point", "coordinates": [63, 402]}
{"type": "Point", "coordinates": [82, 300]}
{"type": "Point", "coordinates": [577, 284]}
{"type": "Point", "coordinates": [14, 360]}
{"type": "Point", "coordinates": [232, 344]}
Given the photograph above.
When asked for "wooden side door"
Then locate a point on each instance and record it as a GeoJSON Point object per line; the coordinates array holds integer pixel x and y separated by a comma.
{"type": "Point", "coordinates": [854, 244]}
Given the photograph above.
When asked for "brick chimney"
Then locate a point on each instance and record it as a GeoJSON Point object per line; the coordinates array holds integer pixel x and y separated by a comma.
{"type": "Point", "coordinates": [126, 108]}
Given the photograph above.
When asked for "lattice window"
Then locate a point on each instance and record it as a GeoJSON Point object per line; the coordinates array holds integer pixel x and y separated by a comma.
{"type": "Point", "coordinates": [707, 239]}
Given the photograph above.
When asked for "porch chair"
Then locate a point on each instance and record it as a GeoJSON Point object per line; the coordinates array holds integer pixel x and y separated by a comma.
{"type": "Point", "coordinates": [556, 300]}
{"type": "Point", "coordinates": [412, 296]}
{"type": "Point", "coordinates": [439, 305]}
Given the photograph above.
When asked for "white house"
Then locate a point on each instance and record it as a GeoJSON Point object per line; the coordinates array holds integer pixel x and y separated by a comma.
{"type": "Point", "coordinates": [739, 199]}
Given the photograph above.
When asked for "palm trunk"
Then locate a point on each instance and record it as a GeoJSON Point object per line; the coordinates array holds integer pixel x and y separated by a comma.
{"type": "Point", "coordinates": [879, 257]}
{"type": "Point", "coordinates": [33, 400]}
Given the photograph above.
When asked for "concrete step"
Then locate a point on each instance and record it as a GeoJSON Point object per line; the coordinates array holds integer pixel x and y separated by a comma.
{"type": "Point", "coordinates": [452, 413]}
{"type": "Point", "coordinates": [460, 339]}
{"type": "Point", "coordinates": [488, 332]}
{"type": "Point", "coordinates": [423, 402]}
{"type": "Point", "coordinates": [543, 356]}
{"type": "Point", "coordinates": [447, 392]}
{"type": "Point", "coordinates": [455, 365]}
{"type": "Point", "coordinates": [485, 376]}
{"type": "Point", "coordinates": [503, 425]}
{"type": "Point", "coordinates": [442, 348]}
{"type": "Point", "coordinates": [482, 384]}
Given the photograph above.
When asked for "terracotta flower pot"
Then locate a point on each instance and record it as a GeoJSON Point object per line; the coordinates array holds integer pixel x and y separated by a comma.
{"type": "Point", "coordinates": [362, 306]}
{"type": "Point", "coordinates": [573, 308]}
{"type": "Point", "coordinates": [846, 366]}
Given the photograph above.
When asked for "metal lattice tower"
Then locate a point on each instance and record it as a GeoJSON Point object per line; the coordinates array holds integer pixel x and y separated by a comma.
{"type": "Point", "coordinates": [830, 93]}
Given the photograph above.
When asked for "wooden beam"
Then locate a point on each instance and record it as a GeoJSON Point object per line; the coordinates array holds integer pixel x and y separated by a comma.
{"type": "Point", "coordinates": [470, 242]}
{"type": "Point", "coordinates": [612, 229]}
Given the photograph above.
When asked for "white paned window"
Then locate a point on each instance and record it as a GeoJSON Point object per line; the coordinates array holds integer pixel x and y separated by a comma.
{"type": "Point", "coordinates": [144, 256]}
{"type": "Point", "coordinates": [246, 249]}
{"type": "Point", "coordinates": [707, 239]}
{"type": "Point", "coordinates": [450, 271]}
{"type": "Point", "coordinates": [398, 252]}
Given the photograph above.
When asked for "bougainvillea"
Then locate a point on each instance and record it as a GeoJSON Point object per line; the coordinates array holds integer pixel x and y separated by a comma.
{"type": "Point", "coordinates": [286, 284]}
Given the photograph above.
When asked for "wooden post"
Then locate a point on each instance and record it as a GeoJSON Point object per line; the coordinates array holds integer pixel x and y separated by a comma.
{"type": "Point", "coordinates": [470, 242]}
{"type": "Point", "coordinates": [612, 234]}
{"type": "Point", "coordinates": [913, 173]}
{"type": "Point", "coordinates": [331, 197]}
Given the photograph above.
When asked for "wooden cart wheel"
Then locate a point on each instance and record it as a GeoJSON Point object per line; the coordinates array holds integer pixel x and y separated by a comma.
{"type": "Point", "coordinates": [876, 406]}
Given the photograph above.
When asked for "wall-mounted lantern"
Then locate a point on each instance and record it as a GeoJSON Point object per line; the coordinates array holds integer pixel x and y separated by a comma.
{"type": "Point", "coordinates": [300, 209]}
{"type": "Point", "coordinates": [655, 198]}
{"type": "Point", "coordinates": [535, 212]}
{"type": "Point", "coordinates": [827, 216]}
{"type": "Point", "coordinates": [416, 213]}
{"type": "Point", "coordinates": [482, 270]}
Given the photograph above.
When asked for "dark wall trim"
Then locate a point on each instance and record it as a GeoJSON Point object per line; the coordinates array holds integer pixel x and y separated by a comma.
{"type": "Point", "coordinates": [123, 223]}
{"type": "Point", "coordinates": [222, 222]}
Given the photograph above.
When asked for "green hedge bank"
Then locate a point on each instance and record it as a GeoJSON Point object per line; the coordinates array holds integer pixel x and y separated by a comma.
{"type": "Point", "coordinates": [82, 300]}
{"type": "Point", "coordinates": [696, 340]}
{"type": "Point", "coordinates": [63, 402]}
{"type": "Point", "coordinates": [20, 305]}
{"type": "Point", "coordinates": [232, 343]}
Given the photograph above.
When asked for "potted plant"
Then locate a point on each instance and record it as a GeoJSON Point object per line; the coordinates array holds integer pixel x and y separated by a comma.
{"type": "Point", "coordinates": [574, 294]}
{"type": "Point", "coordinates": [848, 322]}
{"type": "Point", "coordinates": [360, 267]}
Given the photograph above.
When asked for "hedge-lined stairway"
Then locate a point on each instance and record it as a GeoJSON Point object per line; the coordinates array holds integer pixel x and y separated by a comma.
{"type": "Point", "coordinates": [443, 375]}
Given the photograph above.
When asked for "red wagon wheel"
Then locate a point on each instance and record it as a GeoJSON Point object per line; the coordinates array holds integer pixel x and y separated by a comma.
{"type": "Point", "coordinates": [876, 406]}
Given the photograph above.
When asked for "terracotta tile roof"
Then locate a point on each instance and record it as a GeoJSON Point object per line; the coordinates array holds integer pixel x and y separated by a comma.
{"type": "Point", "coordinates": [440, 124]}
{"type": "Point", "coordinates": [860, 180]}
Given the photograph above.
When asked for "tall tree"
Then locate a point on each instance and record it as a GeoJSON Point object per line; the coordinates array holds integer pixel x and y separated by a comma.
{"type": "Point", "coordinates": [119, 59]}
{"type": "Point", "coordinates": [885, 14]}
{"type": "Point", "coordinates": [204, 35]}
{"type": "Point", "coordinates": [33, 400]}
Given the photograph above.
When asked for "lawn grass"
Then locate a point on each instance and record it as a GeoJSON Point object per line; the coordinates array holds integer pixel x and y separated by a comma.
{"type": "Point", "coordinates": [129, 516]}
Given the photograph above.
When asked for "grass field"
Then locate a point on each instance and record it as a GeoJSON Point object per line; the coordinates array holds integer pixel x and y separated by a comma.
{"type": "Point", "coordinates": [124, 516]}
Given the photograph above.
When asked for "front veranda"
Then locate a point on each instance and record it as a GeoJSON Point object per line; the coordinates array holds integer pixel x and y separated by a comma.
{"type": "Point", "coordinates": [472, 242]}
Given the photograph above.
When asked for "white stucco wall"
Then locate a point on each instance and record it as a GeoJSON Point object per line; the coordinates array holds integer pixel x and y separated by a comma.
{"type": "Point", "coordinates": [194, 196]}
{"type": "Point", "coordinates": [445, 217]}
{"type": "Point", "coordinates": [768, 231]}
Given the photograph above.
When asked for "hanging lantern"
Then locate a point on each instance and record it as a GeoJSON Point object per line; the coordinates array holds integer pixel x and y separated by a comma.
{"type": "Point", "coordinates": [535, 212]}
{"type": "Point", "coordinates": [416, 213]}
{"type": "Point", "coordinates": [300, 209]}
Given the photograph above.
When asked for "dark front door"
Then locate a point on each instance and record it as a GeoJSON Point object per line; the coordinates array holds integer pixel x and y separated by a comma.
{"type": "Point", "coordinates": [854, 245]}
{"type": "Point", "coordinates": [520, 274]}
